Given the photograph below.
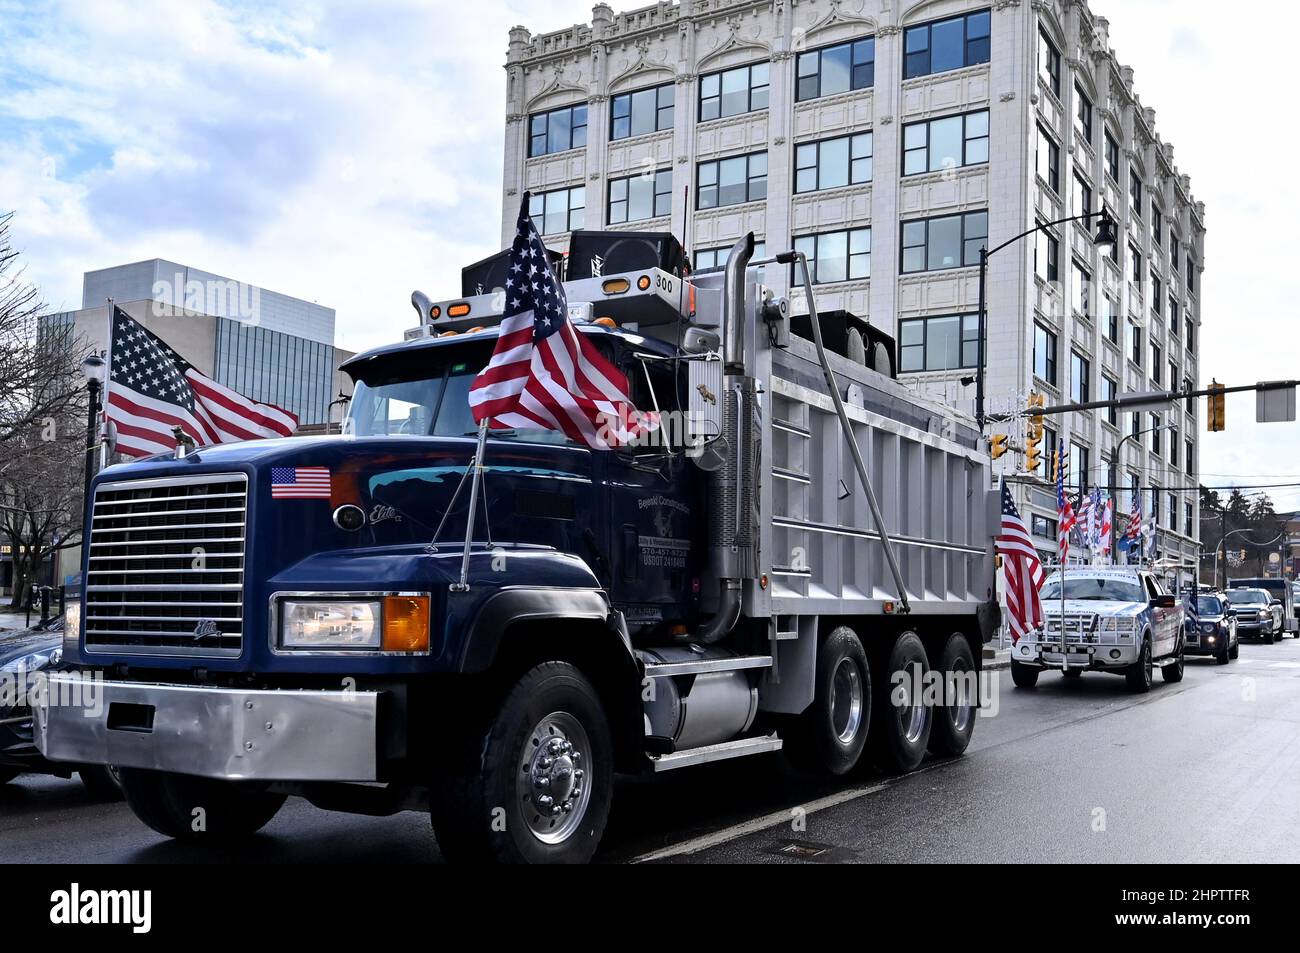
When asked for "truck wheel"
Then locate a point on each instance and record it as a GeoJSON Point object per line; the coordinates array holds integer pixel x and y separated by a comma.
{"type": "Point", "coordinates": [537, 784]}
{"type": "Point", "coordinates": [954, 720]}
{"type": "Point", "coordinates": [901, 720]}
{"type": "Point", "coordinates": [197, 809]}
{"type": "Point", "coordinates": [1174, 673]}
{"type": "Point", "coordinates": [102, 781]}
{"type": "Point", "coordinates": [1024, 676]}
{"type": "Point", "coordinates": [830, 735]}
{"type": "Point", "coordinates": [1235, 650]}
{"type": "Point", "coordinates": [1139, 673]}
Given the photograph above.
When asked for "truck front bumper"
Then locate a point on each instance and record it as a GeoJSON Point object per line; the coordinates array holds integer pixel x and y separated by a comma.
{"type": "Point", "coordinates": [227, 733]}
{"type": "Point", "coordinates": [1095, 658]}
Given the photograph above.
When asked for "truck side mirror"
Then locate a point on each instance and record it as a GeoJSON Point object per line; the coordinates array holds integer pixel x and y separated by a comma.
{"type": "Point", "coordinates": [1163, 602]}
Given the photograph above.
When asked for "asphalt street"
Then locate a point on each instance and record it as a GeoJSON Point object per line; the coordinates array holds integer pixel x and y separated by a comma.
{"type": "Point", "coordinates": [1073, 771]}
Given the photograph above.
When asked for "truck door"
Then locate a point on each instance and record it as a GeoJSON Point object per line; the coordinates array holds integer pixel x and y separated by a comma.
{"type": "Point", "coordinates": [656, 515]}
{"type": "Point", "coordinates": [1164, 622]}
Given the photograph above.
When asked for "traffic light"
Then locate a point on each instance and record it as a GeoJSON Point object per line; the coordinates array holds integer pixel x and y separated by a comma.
{"type": "Point", "coordinates": [1215, 401]}
{"type": "Point", "coordinates": [1034, 438]}
{"type": "Point", "coordinates": [997, 445]}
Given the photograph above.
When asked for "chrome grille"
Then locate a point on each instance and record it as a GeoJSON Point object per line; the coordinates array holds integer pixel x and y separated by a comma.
{"type": "Point", "coordinates": [165, 573]}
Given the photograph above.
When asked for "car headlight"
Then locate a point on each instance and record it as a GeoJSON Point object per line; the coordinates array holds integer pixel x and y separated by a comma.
{"type": "Point", "coordinates": [388, 623]}
{"type": "Point", "coordinates": [32, 662]}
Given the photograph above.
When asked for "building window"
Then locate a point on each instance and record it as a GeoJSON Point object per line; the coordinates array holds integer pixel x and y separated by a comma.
{"type": "Point", "coordinates": [1044, 527]}
{"type": "Point", "coordinates": [1155, 434]}
{"type": "Point", "coordinates": [1083, 115]}
{"type": "Point", "coordinates": [946, 44]}
{"type": "Point", "coordinates": [560, 211]}
{"type": "Point", "coordinates": [1191, 275]}
{"type": "Point", "coordinates": [1135, 191]}
{"type": "Point", "coordinates": [1048, 158]}
{"type": "Point", "coordinates": [946, 143]}
{"type": "Point", "coordinates": [939, 343]}
{"type": "Point", "coordinates": [1189, 456]}
{"type": "Point", "coordinates": [1080, 373]}
{"type": "Point", "coordinates": [837, 256]}
{"type": "Point", "coordinates": [734, 91]}
{"type": "Point", "coordinates": [832, 163]}
{"type": "Point", "coordinates": [713, 259]}
{"type": "Point", "coordinates": [1110, 391]}
{"type": "Point", "coordinates": [1174, 325]}
{"type": "Point", "coordinates": [1077, 477]}
{"type": "Point", "coordinates": [1187, 520]}
{"type": "Point", "coordinates": [836, 69]}
{"type": "Point", "coordinates": [1135, 272]}
{"type": "Point", "coordinates": [1172, 503]}
{"type": "Point", "coordinates": [1045, 353]}
{"type": "Point", "coordinates": [558, 130]}
{"type": "Point", "coordinates": [1050, 441]}
{"type": "Point", "coordinates": [731, 181]}
{"type": "Point", "coordinates": [950, 241]}
{"type": "Point", "coordinates": [642, 112]}
{"type": "Point", "coordinates": [1190, 405]}
{"type": "Point", "coordinates": [1112, 156]}
{"type": "Point", "coordinates": [1110, 318]}
{"type": "Point", "coordinates": [1156, 362]}
{"type": "Point", "coordinates": [1082, 197]}
{"type": "Point", "coordinates": [1082, 291]}
{"type": "Point", "coordinates": [1134, 343]}
{"type": "Point", "coordinates": [1049, 64]}
{"type": "Point", "coordinates": [1173, 251]}
{"type": "Point", "coordinates": [1173, 375]}
{"type": "Point", "coordinates": [1157, 295]}
{"type": "Point", "coordinates": [1047, 257]}
{"type": "Point", "coordinates": [639, 197]}
{"type": "Point", "coordinates": [1190, 335]}
{"type": "Point", "coordinates": [1174, 444]}
{"type": "Point", "coordinates": [1157, 225]}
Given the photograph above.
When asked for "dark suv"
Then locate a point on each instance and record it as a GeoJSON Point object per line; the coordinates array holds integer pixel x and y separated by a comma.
{"type": "Point", "coordinates": [1214, 630]}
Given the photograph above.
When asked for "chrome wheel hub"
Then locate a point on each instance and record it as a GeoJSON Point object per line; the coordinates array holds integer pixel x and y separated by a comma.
{"type": "Point", "coordinates": [553, 787]}
{"type": "Point", "coordinates": [846, 701]}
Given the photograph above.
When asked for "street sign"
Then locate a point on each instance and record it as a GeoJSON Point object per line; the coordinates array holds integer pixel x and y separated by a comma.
{"type": "Point", "coordinates": [1275, 405]}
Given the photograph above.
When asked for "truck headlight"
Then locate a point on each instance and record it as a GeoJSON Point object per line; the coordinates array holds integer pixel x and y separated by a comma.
{"type": "Point", "coordinates": [389, 623]}
{"type": "Point", "coordinates": [71, 626]}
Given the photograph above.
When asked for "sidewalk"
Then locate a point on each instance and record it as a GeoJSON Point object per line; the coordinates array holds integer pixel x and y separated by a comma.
{"type": "Point", "coordinates": [11, 622]}
{"type": "Point", "coordinates": [996, 658]}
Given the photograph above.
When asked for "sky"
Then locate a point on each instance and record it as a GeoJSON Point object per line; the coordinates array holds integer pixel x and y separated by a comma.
{"type": "Point", "coordinates": [348, 152]}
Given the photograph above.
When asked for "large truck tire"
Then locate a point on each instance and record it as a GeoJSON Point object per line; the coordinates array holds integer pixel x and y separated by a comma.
{"type": "Point", "coordinates": [830, 735]}
{"type": "Point", "coordinates": [900, 724]}
{"type": "Point", "coordinates": [534, 784]}
{"type": "Point", "coordinates": [954, 719]}
{"type": "Point", "coordinates": [197, 809]}
{"type": "Point", "coordinates": [1139, 673]}
{"type": "Point", "coordinates": [1024, 676]}
{"type": "Point", "coordinates": [101, 781]}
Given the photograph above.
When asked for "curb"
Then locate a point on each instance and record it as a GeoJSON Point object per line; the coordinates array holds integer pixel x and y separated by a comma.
{"type": "Point", "coordinates": [994, 661]}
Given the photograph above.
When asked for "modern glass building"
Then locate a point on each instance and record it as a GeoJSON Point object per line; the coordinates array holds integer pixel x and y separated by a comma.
{"type": "Point", "coordinates": [271, 366]}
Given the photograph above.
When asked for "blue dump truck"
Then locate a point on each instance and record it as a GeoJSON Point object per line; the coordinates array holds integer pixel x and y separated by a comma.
{"type": "Point", "coordinates": [410, 616]}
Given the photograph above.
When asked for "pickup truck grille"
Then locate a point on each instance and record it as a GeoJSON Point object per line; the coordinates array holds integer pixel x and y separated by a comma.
{"type": "Point", "coordinates": [166, 566]}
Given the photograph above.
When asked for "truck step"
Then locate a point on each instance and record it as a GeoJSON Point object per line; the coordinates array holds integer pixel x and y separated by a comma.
{"type": "Point", "coordinates": [731, 664]}
{"type": "Point", "coordinates": [720, 752]}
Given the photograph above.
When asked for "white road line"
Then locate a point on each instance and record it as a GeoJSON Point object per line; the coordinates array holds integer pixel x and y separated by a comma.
{"type": "Point", "coordinates": [775, 819]}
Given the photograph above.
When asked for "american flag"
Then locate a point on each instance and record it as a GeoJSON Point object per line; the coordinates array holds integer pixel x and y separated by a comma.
{"type": "Point", "coordinates": [300, 483]}
{"type": "Point", "coordinates": [1084, 517]}
{"type": "Point", "coordinates": [1064, 511]}
{"type": "Point", "coordinates": [1021, 570]}
{"type": "Point", "coordinates": [1134, 530]}
{"type": "Point", "coordinates": [152, 389]}
{"type": "Point", "coordinates": [543, 373]}
{"type": "Point", "coordinates": [1107, 525]}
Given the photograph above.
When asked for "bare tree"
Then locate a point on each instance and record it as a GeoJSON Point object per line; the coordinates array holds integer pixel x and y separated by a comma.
{"type": "Point", "coordinates": [40, 502]}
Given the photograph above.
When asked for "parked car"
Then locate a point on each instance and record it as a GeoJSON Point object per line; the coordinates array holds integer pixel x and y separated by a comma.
{"type": "Point", "coordinates": [22, 656]}
{"type": "Point", "coordinates": [1117, 620]}
{"type": "Point", "coordinates": [1280, 593]}
{"type": "Point", "coordinates": [1214, 630]}
{"type": "Point", "coordinates": [1256, 614]}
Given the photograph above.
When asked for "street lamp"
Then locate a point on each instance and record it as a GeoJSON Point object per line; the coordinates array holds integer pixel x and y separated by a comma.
{"type": "Point", "coordinates": [94, 369]}
{"type": "Point", "coordinates": [1107, 234]}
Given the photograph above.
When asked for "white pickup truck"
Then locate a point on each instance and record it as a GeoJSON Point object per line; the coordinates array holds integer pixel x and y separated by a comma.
{"type": "Point", "coordinates": [1117, 620]}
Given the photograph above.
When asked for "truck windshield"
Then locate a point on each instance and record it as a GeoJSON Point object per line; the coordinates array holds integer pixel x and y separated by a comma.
{"type": "Point", "coordinates": [1239, 596]}
{"type": "Point", "coordinates": [423, 395]}
{"type": "Point", "coordinates": [1209, 605]}
{"type": "Point", "coordinates": [1094, 588]}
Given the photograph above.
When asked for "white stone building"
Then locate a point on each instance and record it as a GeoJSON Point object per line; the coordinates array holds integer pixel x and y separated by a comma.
{"type": "Point", "coordinates": [891, 140]}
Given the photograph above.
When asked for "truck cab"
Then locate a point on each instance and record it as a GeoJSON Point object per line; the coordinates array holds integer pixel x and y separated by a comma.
{"type": "Point", "coordinates": [1117, 620]}
{"type": "Point", "coordinates": [490, 624]}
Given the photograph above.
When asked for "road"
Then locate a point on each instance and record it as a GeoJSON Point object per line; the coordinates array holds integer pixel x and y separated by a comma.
{"type": "Point", "coordinates": [1074, 772]}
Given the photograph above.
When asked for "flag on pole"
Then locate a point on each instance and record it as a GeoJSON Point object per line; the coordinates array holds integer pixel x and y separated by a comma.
{"type": "Point", "coordinates": [1107, 524]}
{"type": "Point", "coordinates": [1083, 516]}
{"type": "Point", "coordinates": [152, 390]}
{"type": "Point", "coordinates": [1133, 532]}
{"type": "Point", "coordinates": [1064, 511]}
{"type": "Point", "coordinates": [1022, 571]}
{"type": "Point", "coordinates": [544, 374]}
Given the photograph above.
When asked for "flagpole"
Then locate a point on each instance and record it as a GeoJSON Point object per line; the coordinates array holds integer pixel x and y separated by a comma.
{"type": "Point", "coordinates": [477, 464]}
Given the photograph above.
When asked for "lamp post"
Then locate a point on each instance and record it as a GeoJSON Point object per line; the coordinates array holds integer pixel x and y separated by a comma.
{"type": "Point", "coordinates": [94, 369]}
{"type": "Point", "coordinates": [1107, 234]}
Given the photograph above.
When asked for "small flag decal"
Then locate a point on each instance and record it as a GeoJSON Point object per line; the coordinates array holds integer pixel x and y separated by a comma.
{"type": "Point", "coordinates": [300, 483]}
